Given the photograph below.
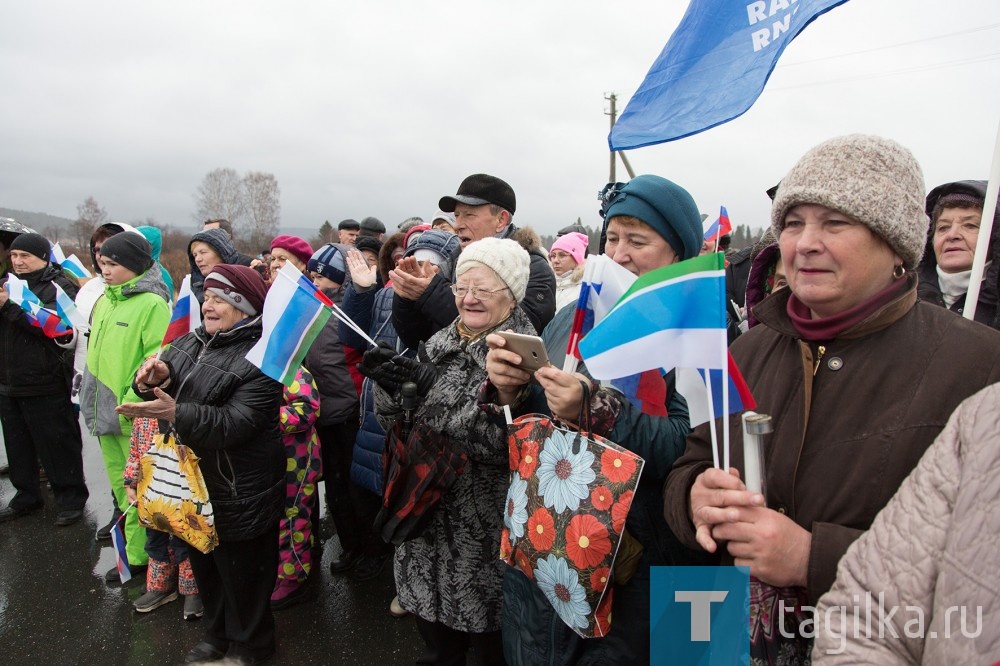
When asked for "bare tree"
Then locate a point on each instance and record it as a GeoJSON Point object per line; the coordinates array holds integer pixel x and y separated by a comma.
{"type": "Point", "coordinates": [90, 215]}
{"type": "Point", "coordinates": [263, 208]}
{"type": "Point", "coordinates": [221, 195]}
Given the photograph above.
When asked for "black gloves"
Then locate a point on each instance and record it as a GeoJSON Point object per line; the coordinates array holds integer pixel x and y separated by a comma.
{"type": "Point", "coordinates": [390, 370]}
{"type": "Point", "coordinates": [421, 374]}
{"type": "Point", "coordinates": [377, 364]}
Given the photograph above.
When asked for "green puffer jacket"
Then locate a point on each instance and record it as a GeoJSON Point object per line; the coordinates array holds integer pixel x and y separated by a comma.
{"type": "Point", "coordinates": [127, 327]}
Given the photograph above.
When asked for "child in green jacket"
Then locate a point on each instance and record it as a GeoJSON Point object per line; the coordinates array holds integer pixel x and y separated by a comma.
{"type": "Point", "coordinates": [127, 327]}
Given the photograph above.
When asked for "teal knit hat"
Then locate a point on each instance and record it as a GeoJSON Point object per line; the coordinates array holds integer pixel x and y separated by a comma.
{"type": "Point", "coordinates": [666, 207]}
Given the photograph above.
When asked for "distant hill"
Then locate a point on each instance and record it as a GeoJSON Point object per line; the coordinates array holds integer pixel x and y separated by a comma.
{"type": "Point", "coordinates": [37, 221]}
{"type": "Point", "coordinates": [41, 222]}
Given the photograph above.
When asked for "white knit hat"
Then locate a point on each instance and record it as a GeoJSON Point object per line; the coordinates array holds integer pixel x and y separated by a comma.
{"type": "Point", "coordinates": [504, 257]}
{"type": "Point", "coordinates": [874, 180]}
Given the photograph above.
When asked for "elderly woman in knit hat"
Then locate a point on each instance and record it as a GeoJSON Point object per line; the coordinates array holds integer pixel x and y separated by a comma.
{"type": "Point", "coordinates": [227, 411]}
{"type": "Point", "coordinates": [956, 210]}
{"type": "Point", "coordinates": [858, 377]}
{"type": "Point", "coordinates": [566, 256]}
{"type": "Point", "coordinates": [651, 222]}
{"type": "Point", "coordinates": [449, 575]}
{"type": "Point", "coordinates": [289, 248]}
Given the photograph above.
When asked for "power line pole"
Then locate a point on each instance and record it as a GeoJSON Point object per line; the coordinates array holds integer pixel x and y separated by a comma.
{"type": "Point", "coordinates": [613, 98]}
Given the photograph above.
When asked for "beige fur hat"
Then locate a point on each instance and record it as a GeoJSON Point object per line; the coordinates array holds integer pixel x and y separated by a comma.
{"type": "Point", "coordinates": [874, 180]}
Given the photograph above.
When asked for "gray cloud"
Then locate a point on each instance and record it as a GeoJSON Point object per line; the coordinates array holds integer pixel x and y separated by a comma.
{"type": "Point", "coordinates": [381, 108]}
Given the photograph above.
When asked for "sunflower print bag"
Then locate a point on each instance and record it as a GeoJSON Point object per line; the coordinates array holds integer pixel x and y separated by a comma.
{"type": "Point", "coordinates": [172, 496]}
{"type": "Point", "coordinates": [569, 495]}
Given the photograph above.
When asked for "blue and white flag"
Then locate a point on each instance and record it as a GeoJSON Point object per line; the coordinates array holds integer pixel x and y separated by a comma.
{"type": "Point", "coordinates": [70, 264]}
{"type": "Point", "coordinates": [713, 68]}
{"type": "Point", "coordinates": [670, 317]}
{"type": "Point", "coordinates": [295, 312]}
{"type": "Point", "coordinates": [67, 309]}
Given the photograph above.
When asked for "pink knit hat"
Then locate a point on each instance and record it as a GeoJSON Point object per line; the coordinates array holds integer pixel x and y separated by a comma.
{"type": "Point", "coordinates": [298, 247]}
{"type": "Point", "coordinates": [574, 244]}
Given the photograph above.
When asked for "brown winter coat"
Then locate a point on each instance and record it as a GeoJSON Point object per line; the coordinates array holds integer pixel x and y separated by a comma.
{"type": "Point", "coordinates": [932, 552]}
{"type": "Point", "coordinates": [850, 420]}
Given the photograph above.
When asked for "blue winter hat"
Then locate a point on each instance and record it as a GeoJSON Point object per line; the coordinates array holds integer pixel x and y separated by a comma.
{"type": "Point", "coordinates": [666, 207]}
{"type": "Point", "coordinates": [329, 262]}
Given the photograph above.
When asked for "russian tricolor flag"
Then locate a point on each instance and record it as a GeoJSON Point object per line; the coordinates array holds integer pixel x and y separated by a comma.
{"type": "Point", "coordinates": [295, 312]}
{"type": "Point", "coordinates": [121, 557]}
{"type": "Point", "coordinates": [720, 227]}
{"type": "Point", "coordinates": [38, 315]}
{"type": "Point", "coordinates": [186, 316]}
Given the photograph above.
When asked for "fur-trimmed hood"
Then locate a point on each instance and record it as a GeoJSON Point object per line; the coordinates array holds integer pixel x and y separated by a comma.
{"type": "Point", "coordinates": [527, 237]}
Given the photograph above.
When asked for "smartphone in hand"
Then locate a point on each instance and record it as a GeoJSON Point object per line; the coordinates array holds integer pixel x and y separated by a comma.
{"type": "Point", "coordinates": [530, 348]}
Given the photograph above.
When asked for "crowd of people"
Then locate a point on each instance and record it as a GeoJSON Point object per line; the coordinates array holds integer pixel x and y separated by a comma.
{"type": "Point", "coordinates": [845, 323]}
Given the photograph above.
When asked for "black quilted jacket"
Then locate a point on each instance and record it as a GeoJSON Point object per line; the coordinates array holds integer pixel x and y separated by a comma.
{"type": "Point", "coordinates": [227, 412]}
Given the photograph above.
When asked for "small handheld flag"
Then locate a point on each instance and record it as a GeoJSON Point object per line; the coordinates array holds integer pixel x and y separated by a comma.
{"type": "Point", "coordinates": [70, 264]}
{"type": "Point", "coordinates": [603, 284]}
{"type": "Point", "coordinates": [720, 227]}
{"type": "Point", "coordinates": [691, 384]}
{"type": "Point", "coordinates": [186, 315]}
{"type": "Point", "coordinates": [295, 312]}
{"type": "Point", "coordinates": [670, 317]}
{"type": "Point", "coordinates": [49, 321]}
{"type": "Point", "coordinates": [118, 542]}
{"type": "Point", "coordinates": [67, 309]}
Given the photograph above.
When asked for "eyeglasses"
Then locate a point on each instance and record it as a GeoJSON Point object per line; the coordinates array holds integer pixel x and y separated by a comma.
{"type": "Point", "coordinates": [460, 290]}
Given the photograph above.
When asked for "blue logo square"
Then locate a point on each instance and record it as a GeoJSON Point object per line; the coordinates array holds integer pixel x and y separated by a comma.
{"type": "Point", "coordinates": [699, 615]}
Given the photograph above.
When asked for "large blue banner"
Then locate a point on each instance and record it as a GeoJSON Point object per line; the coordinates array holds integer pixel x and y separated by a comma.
{"type": "Point", "coordinates": [713, 68]}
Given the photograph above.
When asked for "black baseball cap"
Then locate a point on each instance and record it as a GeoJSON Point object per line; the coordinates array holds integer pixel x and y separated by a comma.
{"type": "Point", "coordinates": [480, 189]}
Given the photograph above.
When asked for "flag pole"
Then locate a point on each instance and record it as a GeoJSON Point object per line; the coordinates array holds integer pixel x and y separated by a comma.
{"type": "Point", "coordinates": [725, 405]}
{"type": "Point", "coordinates": [593, 272]}
{"type": "Point", "coordinates": [711, 418]}
{"type": "Point", "coordinates": [985, 231]}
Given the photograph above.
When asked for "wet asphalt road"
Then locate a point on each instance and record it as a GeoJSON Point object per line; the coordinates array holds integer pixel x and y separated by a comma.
{"type": "Point", "coordinates": [55, 607]}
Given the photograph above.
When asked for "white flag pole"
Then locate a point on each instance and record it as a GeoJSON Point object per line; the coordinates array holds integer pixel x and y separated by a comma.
{"type": "Point", "coordinates": [985, 231]}
{"type": "Point", "coordinates": [725, 405]}
{"type": "Point", "coordinates": [593, 273]}
{"type": "Point", "coordinates": [711, 418]}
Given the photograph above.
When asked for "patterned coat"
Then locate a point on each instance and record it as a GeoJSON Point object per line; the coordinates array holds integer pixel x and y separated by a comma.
{"type": "Point", "coordinates": [299, 411]}
{"type": "Point", "coordinates": [452, 573]}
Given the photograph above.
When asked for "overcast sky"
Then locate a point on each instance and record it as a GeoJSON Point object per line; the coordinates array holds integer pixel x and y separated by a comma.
{"type": "Point", "coordinates": [380, 108]}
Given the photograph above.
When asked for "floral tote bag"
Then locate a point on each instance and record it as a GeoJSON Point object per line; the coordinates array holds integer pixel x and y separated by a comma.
{"type": "Point", "coordinates": [566, 505]}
